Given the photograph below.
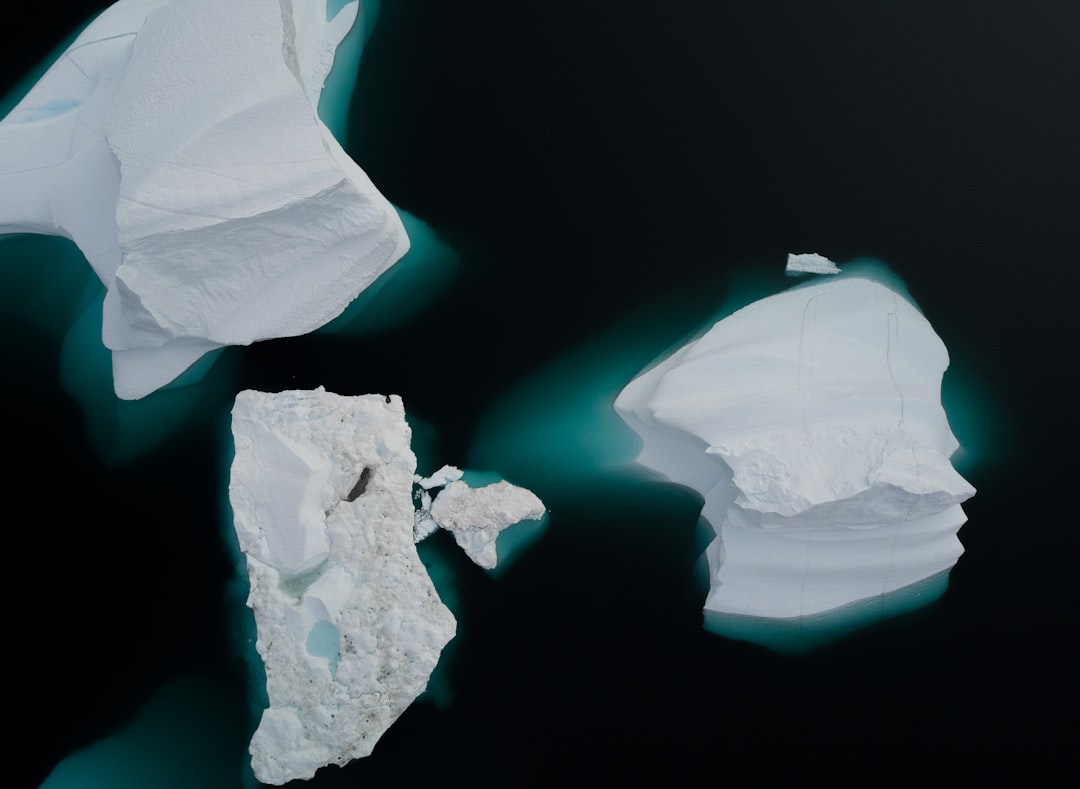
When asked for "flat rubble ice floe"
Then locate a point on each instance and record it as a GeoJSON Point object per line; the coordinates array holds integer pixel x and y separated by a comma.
{"type": "Point", "coordinates": [349, 625]}
{"type": "Point", "coordinates": [811, 423]}
{"type": "Point", "coordinates": [178, 145]}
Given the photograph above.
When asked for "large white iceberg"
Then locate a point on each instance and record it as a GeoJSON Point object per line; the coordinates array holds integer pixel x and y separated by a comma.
{"type": "Point", "coordinates": [811, 423]}
{"type": "Point", "coordinates": [349, 623]}
{"type": "Point", "coordinates": [177, 143]}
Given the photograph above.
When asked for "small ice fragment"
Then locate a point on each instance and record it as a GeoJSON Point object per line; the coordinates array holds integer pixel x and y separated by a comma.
{"type": "Point", "coordinates": [475, 516]}
{"type": "Point", "coordinates": [443, 476]}
{"type": "Point", "coordinates": [809, 263]}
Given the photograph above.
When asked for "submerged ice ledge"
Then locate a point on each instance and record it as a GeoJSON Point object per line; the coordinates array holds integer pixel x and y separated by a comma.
{"type": "Point", "coordinates": [178, 145]}
{"type": "Point", "coordinates": [349, 623]}
{"type": "Point", "coordinates": [811, 423]}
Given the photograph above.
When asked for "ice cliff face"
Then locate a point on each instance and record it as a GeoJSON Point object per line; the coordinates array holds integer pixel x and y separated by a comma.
{"type": "Point", "coordinates": [349, 623]}
{"type": "Point", "coordinates": [811, 422]}
{"type": "Point", "coordinates": [177, 143]}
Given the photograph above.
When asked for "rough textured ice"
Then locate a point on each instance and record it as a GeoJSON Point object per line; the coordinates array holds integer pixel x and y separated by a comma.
{"type": "Point", "coordinates": [349, 623]}
{"type": "Point", "coordinates": [811, 422]}
{"type": "Point", "coordinates": [475, 516]}
{"type": "Point", "coordinates": [809, 263]}
{"type": "Point", "coordinates": [443, 476]}
{"type": "Point", "coordinates": [177, 143]}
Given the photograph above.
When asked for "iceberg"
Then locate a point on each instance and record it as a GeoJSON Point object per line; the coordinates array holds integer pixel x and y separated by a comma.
{"type": "Point", "coordinates": [178, 145]}
{"type": "Point", "coordinates": [349, 624]}
{"type": "Point", "coordinates": [811, 424]}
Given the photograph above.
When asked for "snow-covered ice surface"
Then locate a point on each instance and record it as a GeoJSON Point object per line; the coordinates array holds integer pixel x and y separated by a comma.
{"type": "Point", "coordinates": [178, 145]}
{"type": "Point", "coordinates": [349, 623]}
{"type": "Point", "coordinates": [811, 423]}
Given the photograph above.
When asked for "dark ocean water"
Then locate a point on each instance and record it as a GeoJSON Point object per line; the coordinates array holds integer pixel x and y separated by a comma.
{"type": "Point", "coordinates": [608, 176]}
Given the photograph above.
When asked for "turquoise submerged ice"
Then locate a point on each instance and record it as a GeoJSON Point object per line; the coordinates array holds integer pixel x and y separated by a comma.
{"type": "Point", "coordinates": [811, 423]}
{"type": "Point", "coordinates": [178, 145]}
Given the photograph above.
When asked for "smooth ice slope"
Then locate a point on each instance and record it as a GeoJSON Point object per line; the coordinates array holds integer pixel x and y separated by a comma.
{"type": "Point", "coordinates": [349, 623]}
{"type": "Point", "coordinates": [178, 145]}
{"type": "Point", "coordinates": [811, 422]}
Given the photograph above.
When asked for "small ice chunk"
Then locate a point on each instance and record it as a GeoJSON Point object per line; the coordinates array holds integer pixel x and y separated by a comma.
{"type": "Point", "coordinates": [475, 516]}
{"type": "Point", "coordinates": [809, 263]}
{"type": "Point", "coordinates": [443, 476]}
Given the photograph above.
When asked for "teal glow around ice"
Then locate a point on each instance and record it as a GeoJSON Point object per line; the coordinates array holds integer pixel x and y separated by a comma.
{"type": "Point", "coordinates": [514, 540]}
{"type": "Point", "coordinates": [804, 634]}
{"type": "Point", "coordinates": [190, 733]}
{"type": "Point", "coordinates": [405, 289]}
{"type": "Point", "coordinates": [241, 617]}
{"type": "Point", "coordinates": [121, 430]}
{"type": "Point", "coordinates": [443, 561]}
{"type": "Point", "coordinates": [557, 432]}
{"type": "Point", "coordinates": [34, 75]}
{"type": "Point", "coordinates": [340, 82]}
{"type": "Point", "coordinates": [50, 290]}
{"type": "Point", "coordinates": [409, 286]}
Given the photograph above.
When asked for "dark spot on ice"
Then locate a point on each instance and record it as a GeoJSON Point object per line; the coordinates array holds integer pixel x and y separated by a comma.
{"type": "Point", "coordinates": [361, 484]}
